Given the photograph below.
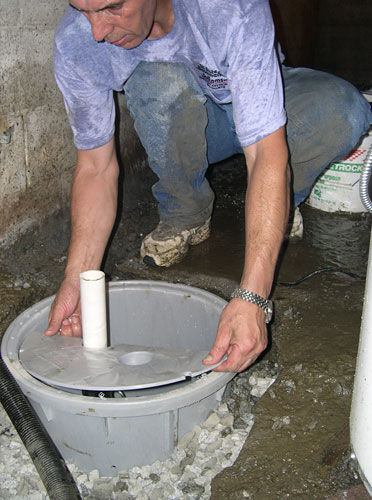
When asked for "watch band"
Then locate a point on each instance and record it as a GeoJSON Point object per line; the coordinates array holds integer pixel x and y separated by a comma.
{"type": "Point", "coordinates": [265, 304]}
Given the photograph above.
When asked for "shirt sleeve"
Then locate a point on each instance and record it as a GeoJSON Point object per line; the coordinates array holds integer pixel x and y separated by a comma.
{"type": "Point", "coordinates": [254, 77]}
{"type": "Point", "coordinates": [90, 106]}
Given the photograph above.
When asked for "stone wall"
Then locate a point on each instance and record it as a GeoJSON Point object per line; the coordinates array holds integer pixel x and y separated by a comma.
{"type": "Point", "coordinates": [36, 157]}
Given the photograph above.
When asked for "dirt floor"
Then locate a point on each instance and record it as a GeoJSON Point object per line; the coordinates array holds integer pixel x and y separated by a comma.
{"type": "Point", "coordinates": [299, 445]}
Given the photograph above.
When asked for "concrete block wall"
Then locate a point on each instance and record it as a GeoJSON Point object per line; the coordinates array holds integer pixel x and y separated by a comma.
{"type": "Point", "coordinates": [37, 156]}
{"type": "Point", "coordinates": [36, 153]}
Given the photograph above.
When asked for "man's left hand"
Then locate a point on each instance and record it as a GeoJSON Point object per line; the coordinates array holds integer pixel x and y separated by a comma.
{"type": "Point", "coordinates": [241, 335]}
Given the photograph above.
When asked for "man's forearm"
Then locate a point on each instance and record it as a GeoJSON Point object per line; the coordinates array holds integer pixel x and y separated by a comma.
{"type": "Point", "coordinates": [266, 211]}
{"type": "Point", "coordinates": [93, 209]}
{"type": "Point", "coordinates": [242, 332]}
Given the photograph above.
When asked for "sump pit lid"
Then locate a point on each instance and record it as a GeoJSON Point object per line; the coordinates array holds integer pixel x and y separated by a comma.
{"type": "Point", "coordinates": [63, 362]}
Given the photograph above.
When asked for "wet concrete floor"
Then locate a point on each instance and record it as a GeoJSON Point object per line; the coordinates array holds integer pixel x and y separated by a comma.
{"type": "Point", "coordinates": [299, 445]}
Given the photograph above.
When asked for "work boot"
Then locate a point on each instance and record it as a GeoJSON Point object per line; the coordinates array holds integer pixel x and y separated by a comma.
{"type": "Point", "coordinates": [168, 245]}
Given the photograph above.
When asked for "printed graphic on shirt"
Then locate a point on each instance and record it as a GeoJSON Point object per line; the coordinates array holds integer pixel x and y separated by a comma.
{"type": "Point", "coordinates": [212, 77]}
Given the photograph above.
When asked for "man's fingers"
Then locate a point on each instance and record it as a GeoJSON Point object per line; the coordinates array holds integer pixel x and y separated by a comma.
{"type": "Point", "coordinates": [242, 335]}
{"type": "Point", "coordinates": [54, 321]}
{"type": "Point", "coordinates": [236, 361]}
{"type": "Point", "coordinates": [215, 355]}
{"type": "Point", "coordinates": [233, 362]}
{"type": "Point", "coordinates": [76, 325]}
{"type": "Point", "coordinates": [64, 316]}
{"type": "Point", "coordinates": [70, 327]}
{"type": "Point", "coordinates": [53, 327]}
{"type": "Point", "coordinates": [218, 349]}
{"type": "Point", "coordinates": [66, 328]}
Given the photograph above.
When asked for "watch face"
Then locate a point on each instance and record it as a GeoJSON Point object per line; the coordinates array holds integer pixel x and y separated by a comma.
{"type": "Point", "coordinates": [268, 313]}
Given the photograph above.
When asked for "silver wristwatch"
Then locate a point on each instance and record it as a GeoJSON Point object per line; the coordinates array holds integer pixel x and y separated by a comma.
{"type": "Point", "coordinates": [265, 304]}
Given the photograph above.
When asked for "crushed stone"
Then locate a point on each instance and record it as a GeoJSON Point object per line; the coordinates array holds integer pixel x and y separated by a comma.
{"type": "Point", "coordinates": [198, 457]}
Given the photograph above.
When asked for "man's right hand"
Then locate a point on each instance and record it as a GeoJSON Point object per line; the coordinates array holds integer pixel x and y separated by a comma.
{"type": "Point", "coordinates": [93, 211]}
{"type": "Point", "coordinates": [64, 316]}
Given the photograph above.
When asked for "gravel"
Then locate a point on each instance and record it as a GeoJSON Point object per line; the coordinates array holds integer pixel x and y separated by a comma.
{"type": "Point", "coordinates": [198, 457]}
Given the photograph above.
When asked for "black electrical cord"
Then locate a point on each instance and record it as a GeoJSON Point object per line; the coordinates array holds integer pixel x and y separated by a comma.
{"type": "Point", "coordinates": [318, 271]}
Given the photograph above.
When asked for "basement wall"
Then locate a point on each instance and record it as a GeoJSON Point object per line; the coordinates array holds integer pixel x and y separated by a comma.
{"type": "Point", "coordinates": [37, 155]}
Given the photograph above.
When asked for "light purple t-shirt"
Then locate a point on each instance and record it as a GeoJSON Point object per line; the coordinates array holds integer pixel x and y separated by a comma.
{"type": "Point", "coordinates": [227, 44]}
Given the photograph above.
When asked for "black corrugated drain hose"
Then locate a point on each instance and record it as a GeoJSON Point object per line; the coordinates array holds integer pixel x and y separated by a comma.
{"type": "Point", "coordinates": [51, 467]}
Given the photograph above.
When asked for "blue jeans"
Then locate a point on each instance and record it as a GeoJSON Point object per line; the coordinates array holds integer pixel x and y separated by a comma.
{"type": "Point", "coordinates": [183, 131]}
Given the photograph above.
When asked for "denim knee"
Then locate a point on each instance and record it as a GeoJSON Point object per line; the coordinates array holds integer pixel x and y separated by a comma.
{"type": "Point", "coordinates": [326, 118]}
{"type": "Point", "coordinates": [354, 111]}
{"type": "Point", "coordinates": [170, 117]}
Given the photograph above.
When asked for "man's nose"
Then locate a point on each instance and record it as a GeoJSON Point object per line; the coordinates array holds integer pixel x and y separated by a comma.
{"type": "Point", "coordinates": [99, 27]}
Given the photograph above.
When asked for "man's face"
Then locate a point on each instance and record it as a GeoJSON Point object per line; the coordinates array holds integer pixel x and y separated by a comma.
{"type": "Point", "coordinates": [125, 23]}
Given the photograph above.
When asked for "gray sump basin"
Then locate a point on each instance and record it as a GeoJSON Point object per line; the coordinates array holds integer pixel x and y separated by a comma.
{"type": "Point", "coordinates": [132, 404]}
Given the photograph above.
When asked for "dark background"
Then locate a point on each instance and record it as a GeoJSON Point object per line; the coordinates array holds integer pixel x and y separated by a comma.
{"type": "Point", "coordinates": [329, 35]}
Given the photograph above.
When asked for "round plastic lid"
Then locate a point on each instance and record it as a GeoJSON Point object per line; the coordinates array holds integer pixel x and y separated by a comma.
{"type": "Point", "coordinates": [64, 362]}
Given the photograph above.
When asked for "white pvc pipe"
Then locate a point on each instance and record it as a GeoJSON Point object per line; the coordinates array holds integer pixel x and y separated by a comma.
{"type": "Point", "coordinates": [361, 407]}
{"type": "Point", "coordinates": [93, 309]}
